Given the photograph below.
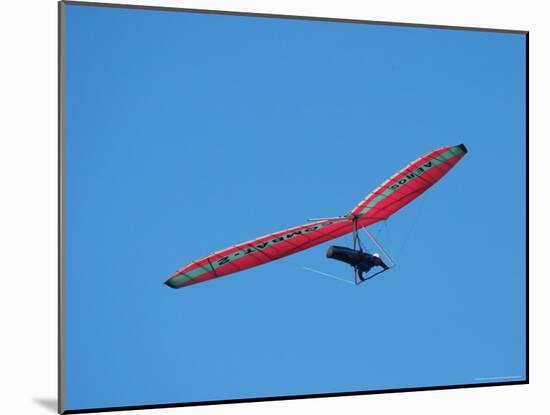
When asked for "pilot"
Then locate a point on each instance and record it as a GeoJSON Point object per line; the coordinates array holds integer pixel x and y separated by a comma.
{"type": "Point", "coordinates": [368, 262]}
{"type": "Point", "coordinates": [362, 261]}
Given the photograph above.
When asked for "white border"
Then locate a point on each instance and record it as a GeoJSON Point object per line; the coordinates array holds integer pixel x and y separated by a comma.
{"type": "Point", "coordinates": [28, 220]}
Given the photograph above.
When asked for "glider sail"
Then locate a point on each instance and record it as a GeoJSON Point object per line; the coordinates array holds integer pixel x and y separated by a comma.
{"type": "Point", "coordinates": [384, 201]}
{"type": "Point", "coordinates": [407, 184]}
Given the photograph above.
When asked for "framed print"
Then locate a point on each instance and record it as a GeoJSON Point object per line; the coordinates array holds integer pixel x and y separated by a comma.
{"type": "Point", "coordinates": [258, 207]}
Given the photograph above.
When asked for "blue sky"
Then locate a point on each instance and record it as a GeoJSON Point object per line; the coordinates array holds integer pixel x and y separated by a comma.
{"type": "Point", "coordinates": [187, 133]}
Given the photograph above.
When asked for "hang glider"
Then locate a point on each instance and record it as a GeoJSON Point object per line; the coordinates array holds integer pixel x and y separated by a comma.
{"type": "Point", "coordinates": [396, 192]}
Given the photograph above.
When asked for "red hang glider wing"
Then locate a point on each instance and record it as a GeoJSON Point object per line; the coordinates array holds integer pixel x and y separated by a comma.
{"type": "Point", "coordinates": [387, 199]}
{"type": "Point", "coordinates": [407, 184]}
{"type": "Point", "coordinates": [259, 251]}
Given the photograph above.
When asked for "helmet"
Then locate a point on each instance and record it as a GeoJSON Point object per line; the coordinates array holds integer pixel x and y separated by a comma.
{"type": "Point", "coordinates": [376, 254]}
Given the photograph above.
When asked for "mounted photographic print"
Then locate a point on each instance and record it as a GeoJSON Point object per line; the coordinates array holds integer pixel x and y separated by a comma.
{"type": "Point", "coordinates": [258, 207]}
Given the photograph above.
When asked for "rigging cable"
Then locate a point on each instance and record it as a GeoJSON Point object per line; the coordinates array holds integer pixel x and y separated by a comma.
{"type": "Point", "coordinates": [327, 275]}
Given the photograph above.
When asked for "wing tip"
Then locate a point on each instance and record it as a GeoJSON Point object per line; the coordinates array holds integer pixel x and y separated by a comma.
{"type": "Point", "coordinates": [463, 148]}
{"type": "Point", "coordinates": [169, 283]}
